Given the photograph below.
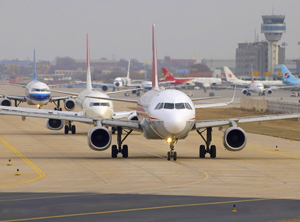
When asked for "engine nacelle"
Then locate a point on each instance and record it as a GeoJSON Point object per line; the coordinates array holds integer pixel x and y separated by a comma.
{"type": "Point", "coordinates": [6, 102]}
{"type": "Point", "coordinates": [99, 138]}
{"type": "Point", "coordinates": [245, 91]}
{"type": "Point", "coordinates": [104, 88]}
{"type": "Point", "coordinates": [69, 104]}
{"type": "Point", "coordinates": [132, 117]}
{"type": "Point", "coordinates": [269, 91]}
{"type": "Point", "coordinates": [54, 124]}
{"type": "Point", "coordinates": [234, 139]}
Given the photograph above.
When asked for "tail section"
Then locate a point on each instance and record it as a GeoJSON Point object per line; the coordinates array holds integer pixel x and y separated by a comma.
{"type": "Point", "coordinates": [167, 75]}
{"type": "Point", "coordinates": [88, 65]}
{"type": "Point", "coordinates": [230, 77]}
{"type": "Point", "coordinates": [252, 79]}
{"type": "Point", "coordinates": [128, 70]}
{"type": "Point", "coordinates": [154, 62]}
{"type": "Point", "coordinates": [34, 67]}
{"type": "Point", "coordinates": [286, 74]}
{"type": "Point", "coordinates": [145, 74]}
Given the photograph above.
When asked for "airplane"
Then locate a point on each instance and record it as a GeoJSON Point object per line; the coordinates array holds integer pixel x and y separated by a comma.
{"type": "Point", "coordinates": [37, 93]}
{"type": "Point", "coordinates": [230, 77]}
{"type": "Point", "coordinates": [288, 78]}
{"type": "Point", "coordinates": [146, 85]}
{"type": "Point", "coordinates": [203, 81]}
{"type": "Point", "coordinates": [163, 115]}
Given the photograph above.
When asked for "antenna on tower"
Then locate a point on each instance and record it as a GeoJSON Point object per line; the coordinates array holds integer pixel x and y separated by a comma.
{"type": "Point", "coordinates": [254, 35]}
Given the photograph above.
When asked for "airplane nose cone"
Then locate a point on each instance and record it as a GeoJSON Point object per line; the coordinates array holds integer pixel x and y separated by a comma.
{"type": "Point", "coordinates": [175, 125]}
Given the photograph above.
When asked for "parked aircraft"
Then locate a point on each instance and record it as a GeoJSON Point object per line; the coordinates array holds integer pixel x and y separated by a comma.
{"type": "Point", "coordinates": [205, 82]}
{"type": "Point", "coordinates": [288, 77]}
{"type": "Point", "coordinates": [37, 93]}
{"type": "Point", "coordinates": [164, 115]}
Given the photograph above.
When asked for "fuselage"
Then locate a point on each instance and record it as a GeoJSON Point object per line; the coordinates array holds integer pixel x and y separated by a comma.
{"type": "Point", "coordinates": [256, 87]}
{"type": "Point", "coordinates": [98, 108]}
{"type": "Point", "coordinates": [122, 81]}
{"type": "Point", "coordinates": [37, 93]}
{"type": "Point", "coordinates": [166, 114]}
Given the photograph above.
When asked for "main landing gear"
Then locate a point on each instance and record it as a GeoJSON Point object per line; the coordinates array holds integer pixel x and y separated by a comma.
{"type": "Point", "coordinates": [207, 148]}
{"type": "Point", "coordinates": [115, 149]}
{"type": "Point", "coordinates": [172, 153]}
{"type": "Point", "coordinates": [70, 127]}
{"type": "Point", "coordinates": [57, 104]}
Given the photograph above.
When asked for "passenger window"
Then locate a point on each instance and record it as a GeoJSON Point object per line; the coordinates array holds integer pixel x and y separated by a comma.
{"type": "Point", "coordinates": [169, 106]}
{"type": "Point", "coordinates": [179, 106]}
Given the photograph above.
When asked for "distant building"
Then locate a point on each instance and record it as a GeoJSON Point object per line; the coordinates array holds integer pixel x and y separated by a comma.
{"type": "Point", "coordinates": [70, 72]}
{"type": "Point", "coordinates": [14, 79]}
{"type": "Point", "coordinates": [214, 64]}
{"type": "Point", "coordinates": [102, 63]}
{"type": "Point", "coordinates": [255, 54]}
{"type": "Point", "coordinates": [167, 62]}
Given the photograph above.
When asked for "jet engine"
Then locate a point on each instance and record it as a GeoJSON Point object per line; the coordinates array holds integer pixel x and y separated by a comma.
{"type": "Point", "coordinates": [245, 91]}
{"type": "Point", "coordinates": [99, 138]}
{"type": "Point", "coordinates": [104, 88]}
{"type": "Point", "coordinates": [269, 91]}
{"type": "Point", "coordinates": [69, 104]}
{"type": "Point", "coordinates": [234, 139]}
{"type": "Point", "coordinates": [132, 117]}
{"type": "Point", "coordinates": [54, 124]}
{"type": "Point", "coordinates": [6, 102]}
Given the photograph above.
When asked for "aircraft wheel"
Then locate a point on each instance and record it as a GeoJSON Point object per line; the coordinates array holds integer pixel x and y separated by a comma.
{"type": "Point", "coordinates": [114, 151]}
{"type": "Point", "coordinates": [175, 156]}
{"type": "Point", "coordinates": [66, 129]}
{"type": "Point", "coordinates": [213, 151]}
{"type": "Point", "coordinates": [202, 151]}
{"type": "Point", "coordinates": [73, 129]}
{"type": "Point", "coordinates": [60, 109]}
{"type": "Point", "coordinates": [169, 155]}
{"type": "Point", "coordinates": [125, 151]}
{"type": "Point", "coordinates": [55, 108]}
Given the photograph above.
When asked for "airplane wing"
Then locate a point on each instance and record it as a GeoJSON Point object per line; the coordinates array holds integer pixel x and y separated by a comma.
{"type": "Point", "coordinates": [224, 122]}
{"type": "Point", "coordinates": [18, 98]}
{"type": "Point", "coordinates": [70, 116]}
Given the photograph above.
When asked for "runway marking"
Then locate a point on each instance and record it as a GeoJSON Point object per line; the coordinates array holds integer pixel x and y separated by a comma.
{"type": "Point", "coordinates": [138, 209]}
{"type": "Point", "coordinates": [32, 165]}
{"type": "Point", "coordinates": [278, 154]}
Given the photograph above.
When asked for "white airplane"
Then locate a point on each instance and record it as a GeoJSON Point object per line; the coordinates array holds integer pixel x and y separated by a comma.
{"type": "Point", "coordinates": [163, 115]}
{"type": "Point", "coordinates": [37, 93]}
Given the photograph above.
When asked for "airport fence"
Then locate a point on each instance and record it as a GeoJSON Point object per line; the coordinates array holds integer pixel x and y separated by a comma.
{"type": "Point", "coordinates": [271, 106]}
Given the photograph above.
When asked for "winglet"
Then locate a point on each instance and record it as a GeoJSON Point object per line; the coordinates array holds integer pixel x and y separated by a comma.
{"type": "Point", "coordinates": [34, 67]}
{"type": "Point", "coordinates": [233, 95]}
{"type": "Point", "coordinates": [128, 70]}
{"type": "Point", "coordinates": [154, 62]}
{"type": "Point", "coordinates": [88, 65]}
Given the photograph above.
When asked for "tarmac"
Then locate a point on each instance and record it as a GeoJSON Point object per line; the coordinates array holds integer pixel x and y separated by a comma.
{"type": "Point", "coordinates": [62, 179]}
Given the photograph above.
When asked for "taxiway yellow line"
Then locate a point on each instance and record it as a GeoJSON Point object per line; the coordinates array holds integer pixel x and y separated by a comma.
{"type": "Point", "coordinates": [136, 209]}
{"type": "Point", "coordinates": [32, 165]}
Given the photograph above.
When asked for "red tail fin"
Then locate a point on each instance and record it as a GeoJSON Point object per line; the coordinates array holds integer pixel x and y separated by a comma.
{"type": "Point", "coordinates": [167, 75]}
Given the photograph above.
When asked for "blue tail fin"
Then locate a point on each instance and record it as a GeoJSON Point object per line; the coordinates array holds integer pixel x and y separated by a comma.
{"type": "Point", "coordinates": [34, 67]}
{"type": "Point", "coordinates": [286, 74]}
{"type": "Point", "coordinates": [145, 74]}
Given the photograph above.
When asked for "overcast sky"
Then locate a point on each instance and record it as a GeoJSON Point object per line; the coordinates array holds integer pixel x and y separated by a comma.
{"type": "Point", "coordinates": [184, 28]}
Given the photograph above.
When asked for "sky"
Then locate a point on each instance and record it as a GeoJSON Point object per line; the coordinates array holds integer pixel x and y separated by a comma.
{"type": "Point", "coordinates": [121, 29]}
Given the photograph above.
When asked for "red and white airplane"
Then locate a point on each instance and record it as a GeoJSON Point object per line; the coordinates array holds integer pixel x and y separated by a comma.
{"type": "Point", "coordinates": [205, 82]}
{"type": "Point", "coordinates": [163, 115]}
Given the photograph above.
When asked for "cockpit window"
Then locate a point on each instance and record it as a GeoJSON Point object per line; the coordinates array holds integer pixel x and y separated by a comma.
{"type": "Point", "coordinates": [159, 106]}
{"type": "Point", "coordinates": [99, 104]}
{"type": "Point", "coordinates": [169, 106]}
{"type": "Point", "coordinates": [156, 107]}
{"type": "Point", "coordinates": [179, 106]}
{"type": "Point", "coordinates": [188, 106]}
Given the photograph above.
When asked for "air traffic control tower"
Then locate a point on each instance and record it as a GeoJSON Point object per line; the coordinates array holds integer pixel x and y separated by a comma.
{"type": "Point", "coordinates": [273, 26]}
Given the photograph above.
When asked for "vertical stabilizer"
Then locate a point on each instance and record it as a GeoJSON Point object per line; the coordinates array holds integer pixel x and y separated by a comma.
{"type": "Point", "coordinates": [88, 65]}
{"type": "Point", "coordinates": [252, 79]}
{"type": "Point", "coordinates": [128, 70]}
{"type": "Point", "coordinates": [286, 74]}
{"type": "Point", "coordinates": [34, 67]}
{"type": "Point", "coordinates": [167, 75]}
{"type": "Point", "coordinates": [154, 62]}
{"type": "Point", "coordinates": [145, 74]}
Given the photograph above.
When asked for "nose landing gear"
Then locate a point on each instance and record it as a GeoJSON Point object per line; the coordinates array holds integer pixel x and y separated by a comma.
{"type": "Point", "coordinates": [172, 153]}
